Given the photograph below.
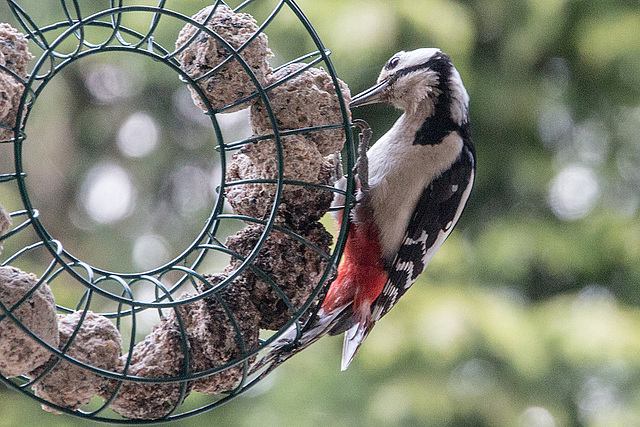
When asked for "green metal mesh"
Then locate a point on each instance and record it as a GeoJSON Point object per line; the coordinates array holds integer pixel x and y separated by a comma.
{"type": "Point", "coordinates": [182, 272]}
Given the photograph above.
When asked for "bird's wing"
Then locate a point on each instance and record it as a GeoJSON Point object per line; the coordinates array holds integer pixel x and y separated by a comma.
{"type": "Point", "coordinates": [433, 219]}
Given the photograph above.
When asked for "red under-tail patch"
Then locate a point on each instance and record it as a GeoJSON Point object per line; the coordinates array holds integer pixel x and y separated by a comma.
{"type": "Point", "coordinates": [361, 274]}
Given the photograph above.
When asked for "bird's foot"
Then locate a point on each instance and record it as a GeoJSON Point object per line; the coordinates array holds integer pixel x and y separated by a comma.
{"type": "Point", "coordinates": [336, 161]}
{"type": "Point", "coordinates": [362, 166]}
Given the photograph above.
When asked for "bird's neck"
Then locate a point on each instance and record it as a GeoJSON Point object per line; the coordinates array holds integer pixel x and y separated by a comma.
{"type": "Point", "coordinates": [410, 122]}
{"type": "Point", "coordinates": [428, 122]}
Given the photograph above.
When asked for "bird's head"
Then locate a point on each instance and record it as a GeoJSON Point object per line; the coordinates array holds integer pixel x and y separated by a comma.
{"type": "Point", "coordinates": [419, 81]}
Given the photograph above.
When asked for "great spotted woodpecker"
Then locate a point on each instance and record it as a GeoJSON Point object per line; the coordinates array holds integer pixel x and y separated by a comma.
{"type": "Point", "coordinates": [420, 174]}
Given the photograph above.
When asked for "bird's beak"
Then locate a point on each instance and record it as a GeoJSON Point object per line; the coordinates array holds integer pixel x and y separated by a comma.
{"type": "Point", "coordinates": [373, 95]}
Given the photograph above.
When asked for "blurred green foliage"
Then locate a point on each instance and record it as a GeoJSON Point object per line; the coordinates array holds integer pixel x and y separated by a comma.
{"type": "Point", "coordinates": [529, 314]}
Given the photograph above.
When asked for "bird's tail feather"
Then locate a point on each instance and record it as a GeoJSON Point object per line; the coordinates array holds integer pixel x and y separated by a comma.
{"type": "Point", "coordinates": [354, 337]}
{"type": "Point", "coordinates": [290, 342]}
{"type": "Point", "coordinates": [352, 340]}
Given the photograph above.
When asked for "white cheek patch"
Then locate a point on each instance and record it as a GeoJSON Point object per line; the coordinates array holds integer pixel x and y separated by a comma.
{"type": "Point", "coordinates": [413, 92]}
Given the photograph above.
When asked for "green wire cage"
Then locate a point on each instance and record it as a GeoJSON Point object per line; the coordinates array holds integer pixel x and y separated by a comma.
{"type": "Point", "coordinates": [221, 281]}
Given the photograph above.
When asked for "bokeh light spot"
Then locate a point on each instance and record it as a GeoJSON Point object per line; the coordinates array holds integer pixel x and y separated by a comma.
{"type": "Point", "coordinates": [150, 251]}
{"type": "Point", "coordinates": [108, 83]}
{"type": "Point", "coordinates": [107, 193]}
{"type": "Point", "coordinates": [138, 136]}
{"type": "Point", "coordinates": [573, 193]}
{"type": "Point", "coordinates": [473, 378]}
{"type": "Point", "coordinates": [537, 416]}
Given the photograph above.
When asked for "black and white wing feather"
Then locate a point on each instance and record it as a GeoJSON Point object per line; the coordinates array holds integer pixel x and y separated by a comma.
{"type": "Point", "coordinates": [433, 219]}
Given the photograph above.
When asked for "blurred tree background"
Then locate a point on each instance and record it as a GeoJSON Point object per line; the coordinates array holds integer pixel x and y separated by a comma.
{"type": "Point", "coordinates": [530, 313]}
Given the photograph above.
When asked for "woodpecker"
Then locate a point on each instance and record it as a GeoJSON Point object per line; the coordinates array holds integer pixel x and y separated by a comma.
{"type": "Point", "coordinates": [420, 174]}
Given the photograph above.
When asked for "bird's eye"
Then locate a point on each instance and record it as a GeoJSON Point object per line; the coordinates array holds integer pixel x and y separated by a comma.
{"type": "Point", "coordinates": [393, 62]}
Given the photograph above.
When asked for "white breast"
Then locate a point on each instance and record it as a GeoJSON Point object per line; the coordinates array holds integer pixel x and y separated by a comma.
{"type": "Point", "coordinates": [398, 173]}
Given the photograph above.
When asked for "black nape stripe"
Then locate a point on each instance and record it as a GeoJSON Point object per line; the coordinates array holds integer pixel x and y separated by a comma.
{"type": "Point", "coordinates": [440, 123]}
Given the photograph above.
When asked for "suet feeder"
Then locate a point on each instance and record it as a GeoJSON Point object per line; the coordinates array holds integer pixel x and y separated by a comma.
{"type": "Point", "coordinates": [98, 364]}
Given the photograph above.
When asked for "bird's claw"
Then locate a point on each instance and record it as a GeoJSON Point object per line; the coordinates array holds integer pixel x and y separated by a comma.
{"type": "Point", "coordinates": [336, 160]}
{"type": "Point", "coordinates": [362, 166]}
